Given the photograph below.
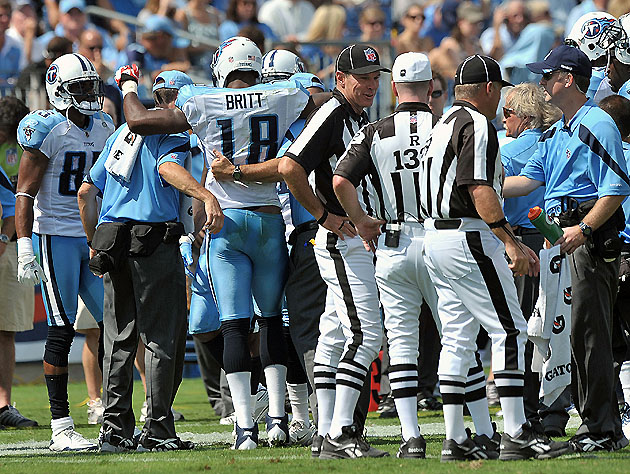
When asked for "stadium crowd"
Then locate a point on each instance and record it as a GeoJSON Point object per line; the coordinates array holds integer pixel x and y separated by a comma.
{"type": "Point", "coordinates": [284, 301]}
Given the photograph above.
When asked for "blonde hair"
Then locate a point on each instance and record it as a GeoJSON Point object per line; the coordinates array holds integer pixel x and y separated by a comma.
{"type": "Point", "coordinates": [327, 24]}
{"type": "Point", "coordinates": [528, 100]}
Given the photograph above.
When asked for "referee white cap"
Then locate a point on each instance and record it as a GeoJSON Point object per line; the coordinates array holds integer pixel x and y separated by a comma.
{"type": "Point", "coordinates": [479, 69]}
{"type": "Point", "coordinates": [411, 67]}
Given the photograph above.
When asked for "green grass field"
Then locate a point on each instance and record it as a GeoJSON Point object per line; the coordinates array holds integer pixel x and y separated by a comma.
{"type": "Point", "coordinates": [25, 451]}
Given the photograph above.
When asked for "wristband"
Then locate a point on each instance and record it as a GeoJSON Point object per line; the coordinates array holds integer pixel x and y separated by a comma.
{"type": "Point", "coordinates": [322, 219]}
{"type": "Point", "coordinates": [499, 223]}
{"type": "Point", "coordinates": [25, 195]}
{"type": "Point", "coordinates": [129, 86]}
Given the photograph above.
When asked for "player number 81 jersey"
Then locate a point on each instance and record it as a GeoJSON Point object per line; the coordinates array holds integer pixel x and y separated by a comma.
{"type": "Point", "coordinates": [71, 152]}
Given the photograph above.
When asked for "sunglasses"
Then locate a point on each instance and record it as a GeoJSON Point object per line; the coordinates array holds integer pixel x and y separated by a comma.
{"type": "Point", "coordinates": [416, 17]}
{"type": "Point", "coordinates": [548, 75]}
{"type": "Point", "coordinates": [375, 23]}
{"type": "Point", "coordinates": [98, 47]}
{"type": "Point", "coordinates": [508, 112]}
{"type": "Point", "coordinates": [436, 94]}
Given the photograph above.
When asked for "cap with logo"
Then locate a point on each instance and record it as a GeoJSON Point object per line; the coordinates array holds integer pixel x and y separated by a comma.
{"type": "Point", "coordinates": [411, 67]}
{"type": "Point", "coordinates": [306, 80]}
{"type": "Point", "coordinates": [66, 5]}
{"type": "Point", "coordinates": [563, 58]}
{"type": "Point", "coordinates": [359, 59]}
{"type": "Point", "coordinates": [479, 69]}
{"type": "Point", "coordinates": [171, 80]}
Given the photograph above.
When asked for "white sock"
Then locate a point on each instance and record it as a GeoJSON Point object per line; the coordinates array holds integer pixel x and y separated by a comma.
{"type": "Point", "coordinates": [276, 377]}
{"type": "Point", "coordinates": [298, 396]}
{"type": "Point", "coordinates": [407, 409]}
{"type": "Point", "coordinates": [510, 387]}
{"type": "Point", "coordinates": [481, 417]}
{"type": "Point", "coordinates": [325, 409]}
{"type": "Point", "coordinates": [61, 424]}
{"type": "Point", "coordinates": [345, 402]}
{"type": "Point", "coordinates": [239, 383]}
{"type": "Point", "coordinates": [624, 378]}
{"type": "Point", "coordinates": [452, 388]}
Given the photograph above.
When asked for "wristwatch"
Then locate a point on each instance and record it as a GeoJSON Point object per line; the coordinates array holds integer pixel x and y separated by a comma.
{"type": "Point", "coordinates": [4, 239]}
{"type": "Point", "coordinates": [237, 174]}
{"type": "Point", "coordinates": [586, 229]}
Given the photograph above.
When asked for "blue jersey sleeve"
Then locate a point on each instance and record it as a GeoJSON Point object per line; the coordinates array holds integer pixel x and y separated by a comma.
{"type": "Point", "coordinates": [533, 169]}
{"type": "Point", "coordinates": [607, 165]}
{"type": "Point", "coordinates": [174, 148]}
{"type": "Point", "coordinates": [506, 161]}
{"type": "Point", "coordinates": [7, 198]}
{"type": "Point", "coordinates": [35, 127]}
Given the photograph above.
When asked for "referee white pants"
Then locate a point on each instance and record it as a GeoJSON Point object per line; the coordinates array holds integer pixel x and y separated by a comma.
{"type": "Point", "coordinates": [475, 287]}
{"type": "Point", "coordinates": [350, 327]}
{"type": "Point", "coordinates": [404, 283]}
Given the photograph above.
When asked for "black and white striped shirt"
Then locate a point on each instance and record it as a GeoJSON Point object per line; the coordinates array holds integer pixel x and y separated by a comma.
{"type": "Point", "coordinates": [463, 149]}
{"type": "Point", "coordinates": [388, 152]}
{"type": "Point", "coordinates": [327, 133]}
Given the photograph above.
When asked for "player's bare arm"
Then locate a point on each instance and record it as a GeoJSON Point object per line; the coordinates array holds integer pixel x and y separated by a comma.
{"type": "Point", "coordinates": [369, 228]}
{"type": "Point", "coordinates": [32, 168]}
{"type": "Point", "coordinates": [295, 176]}
{"type": "Point", "coordinates": [265, 172]}
{"type": "Point", "coordinates": [486, 201]}
{"type": "Point", "coordinates": [515, 186]}
{"type": "Point", "coordinates": [181, 179]}
{"type": "Point", "coordinates": [603, 209]}
{"type": "Point", "coordinates": [88, 208]}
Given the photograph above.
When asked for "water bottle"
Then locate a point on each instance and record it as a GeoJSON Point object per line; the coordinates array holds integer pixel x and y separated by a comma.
{"type": "Point", "coordinates": [547, 227]}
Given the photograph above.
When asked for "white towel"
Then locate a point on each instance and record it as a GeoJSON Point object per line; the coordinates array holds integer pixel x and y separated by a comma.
{"type": "Point", "coordinates": [123, 154]}
{"type": "Point", "coordinates": [549, 327]}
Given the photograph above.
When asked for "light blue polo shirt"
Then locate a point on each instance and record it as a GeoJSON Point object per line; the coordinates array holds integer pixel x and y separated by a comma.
{"type": "Point", "coordinates": [146, 197]}
{"type": "Point", "coordinates": [514, 155]}
{"type": "Point", "coordinates": [583, 159]}
{"type": "Point", "coordinates": [7, 198]}
{"type": "Point", "coordinates": [625, 234]}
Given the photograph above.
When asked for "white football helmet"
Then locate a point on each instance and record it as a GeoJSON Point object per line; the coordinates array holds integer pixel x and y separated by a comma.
{"type": "Point", "coordinates": [72, 80]}
{"type": "Point", "coordinates": [280, 64]}
{"type": "Point", "coordinates": [587, 32]}
{"type": "Point", "coordinates": [235, 54]}
{"type": "Point", "coordinates": [616, 39]}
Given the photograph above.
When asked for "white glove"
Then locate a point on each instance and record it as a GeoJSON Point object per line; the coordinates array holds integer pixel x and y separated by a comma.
{"type": "Point", "coordinates": [29, 270]}
{"type": "Point", "coordinates": [185, 248]}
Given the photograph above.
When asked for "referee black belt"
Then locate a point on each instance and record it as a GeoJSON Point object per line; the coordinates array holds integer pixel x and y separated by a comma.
{"type": "Point", "coordinates": [519, 230]}
{"type": "Point", "coordinates": [304, 227]}
{"type": "Point", "coordinates": [447, 224]}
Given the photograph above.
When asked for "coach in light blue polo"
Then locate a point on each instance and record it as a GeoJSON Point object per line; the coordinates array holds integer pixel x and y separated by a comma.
{"type": "Point", "coordinates": [145, 292]}
{"type": "Point", "coordinates": [581, 162]}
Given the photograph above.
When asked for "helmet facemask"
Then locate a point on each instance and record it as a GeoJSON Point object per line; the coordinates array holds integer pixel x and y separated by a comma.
{"type": "Point", "coordinates": [86, 94]}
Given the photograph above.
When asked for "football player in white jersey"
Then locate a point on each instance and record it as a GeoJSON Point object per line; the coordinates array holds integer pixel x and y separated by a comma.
{"type": "Point", "coordinates": [245, 121]}
{"type": "Point", "coordinates": [59, 146]}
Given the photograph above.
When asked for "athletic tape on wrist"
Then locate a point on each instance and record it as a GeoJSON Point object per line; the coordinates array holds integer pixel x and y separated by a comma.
{"type": "Point", "coordinates": [129, 86]}
{"type": "Point", "coordinates": [25, 247]}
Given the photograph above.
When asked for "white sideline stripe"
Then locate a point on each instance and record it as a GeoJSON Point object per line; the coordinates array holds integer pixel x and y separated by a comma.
{"type": "Point", "coordinates": [215, 438]}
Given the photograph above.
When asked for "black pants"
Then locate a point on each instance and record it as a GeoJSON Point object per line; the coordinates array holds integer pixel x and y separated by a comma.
{"type": "Point", "coordinates": [594, 289]}
{"type": "Point", "coordinates": [144, 299]}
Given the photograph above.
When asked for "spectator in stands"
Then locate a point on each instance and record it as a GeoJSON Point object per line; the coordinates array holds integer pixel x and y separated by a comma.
{"type": "Point", "coordinates": [24, 29]}
{"type": "Point", "coordinates": [157, 51]}
{"type": "Point", "coordinates": [328, 24]}
{"type": "Point", "coordinates": [33, 75]}
{"type": "Point", "coordinates": [16, 299]}
{"type": "Point", "coordinates": [440, 19]}
{"type": "Point", "coordinates": [372, 24]}
{"type": "Point", "coordinates": [241, 13]}
{"type": "Point", "coordinates": [72, 22]}
{"type": "Point", "coordinates": [165, 8]}
{"type": "Point", "coordinates": [409, 39]}
{"type": "Point", "coordinates": [91, 46]}
{"type": "Point", "coordinates": [201, 20]}
{"type": "Point", "coordinates": [463, 42]}
{"type": "Point", "coordinates": [437, 101]}
{"type": "Point", "coordinates": [10, 49]}
{"type": "Point", "coordinates": [507, 24]}
{"type": "Point", "coordinates": [288, 19]}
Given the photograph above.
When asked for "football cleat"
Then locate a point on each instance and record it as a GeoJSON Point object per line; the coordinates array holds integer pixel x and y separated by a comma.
{"type": "Point", "coordinates": [468, 450]}
{"type": "Point", "coordinates": [300, 433]}
{"type": "Point", "coordinates": [108, 442]}
{"type": "Point", "coordinates": [414, 448]}
{"type": "Point", "coordinates": [12, 417]}
{"type": "Point", "coordinates": [149, 443]}
{"type": "Point", "coordinates": [70, 440]}
{"type": "Point", "coordinates": [278, 430]}
{"type": "Point", "coordinates": [531, 444]}
{"type": "Point", "coordinates": [245, 438]}
{"type": "Point", "coordinates": [349, 445]}
{"type": "Point", "coordinates": [316, 446]}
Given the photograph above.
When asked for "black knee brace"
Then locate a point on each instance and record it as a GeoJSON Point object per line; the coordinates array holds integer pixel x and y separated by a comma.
{"type": "Point", "coordinates": [236, 357]}
{"type": "Point", "coordinates": [58, 344]}
{"type": "Point", "coordinates": [273, 347]}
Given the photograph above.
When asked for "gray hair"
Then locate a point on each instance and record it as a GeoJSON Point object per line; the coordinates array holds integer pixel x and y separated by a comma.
{"type": "Point", "coordinates": [528, 100]}
{"type": "Point", "coordinates": [469, 91]}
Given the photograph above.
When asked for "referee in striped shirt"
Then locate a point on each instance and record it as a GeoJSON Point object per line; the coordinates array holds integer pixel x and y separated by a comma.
{"type": "Point", "coordinates": [466, 238]}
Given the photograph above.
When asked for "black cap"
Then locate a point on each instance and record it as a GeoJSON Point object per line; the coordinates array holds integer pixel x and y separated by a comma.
{"type": "Point", "coordinates": [359, 59]}
{"type": "Point", "coordinates": [479, 69]}
{"type": "Point", "coordinates": [563, 58]}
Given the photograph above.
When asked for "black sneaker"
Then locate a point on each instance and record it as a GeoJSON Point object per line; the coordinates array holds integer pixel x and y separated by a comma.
{"type": "Point", "coordinates": [413, 448]}
{"type": "Point", "coordinates": [349, 445]}
{"type": "Point", "coordinates": [531, 444]}
{"type": "Point", "coordinates": [316, 446]}
{"type": "Point", "coordinates": [149, 443]}
{"type": "Point", "coordinates": [590, 442]}
{"type": "Point", "coordinates": [109, 442]}
{"type": "Point", "coordinates": [466, 451]}
{"type": "Point", "coordinates": [429, 404]}
{"type": "Point", "coordinates": [10, 416]}
{"type": "Point", "coordinates": [387, 408]}
{"type": "Point", "coordinates": [487, 443]}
